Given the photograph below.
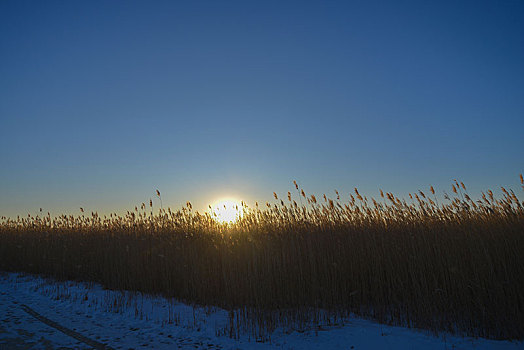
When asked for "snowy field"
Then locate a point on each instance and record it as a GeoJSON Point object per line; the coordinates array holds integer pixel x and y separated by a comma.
{"type": "Point", "coordinates": [36, 313]}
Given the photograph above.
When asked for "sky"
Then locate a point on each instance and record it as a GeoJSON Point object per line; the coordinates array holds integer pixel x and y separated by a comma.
{"type": "Point", "coordinates": [103, 102]}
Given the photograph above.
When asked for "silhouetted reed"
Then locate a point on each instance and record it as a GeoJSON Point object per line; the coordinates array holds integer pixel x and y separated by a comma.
{"type": "Point", "coordinates": [454, 266]}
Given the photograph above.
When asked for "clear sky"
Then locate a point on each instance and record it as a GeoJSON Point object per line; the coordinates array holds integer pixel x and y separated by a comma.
{"type": "Point", "coordinates": [103, 102]}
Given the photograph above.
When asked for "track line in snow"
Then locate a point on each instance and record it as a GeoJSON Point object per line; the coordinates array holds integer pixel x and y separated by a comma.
{"type": "Point", "coordinates": [96, 345]}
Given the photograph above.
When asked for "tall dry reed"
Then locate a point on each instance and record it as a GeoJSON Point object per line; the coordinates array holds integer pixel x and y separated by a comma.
{"type": "Point", "coordinates": [453, 266]}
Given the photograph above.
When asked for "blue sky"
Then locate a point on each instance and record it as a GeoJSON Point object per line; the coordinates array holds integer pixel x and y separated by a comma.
{"type": "Point", "coordinates": [103, 102]}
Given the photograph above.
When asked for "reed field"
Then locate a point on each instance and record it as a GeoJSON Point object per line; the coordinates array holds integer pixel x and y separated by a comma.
{"type": "Point", "coordinates": [444, 264]}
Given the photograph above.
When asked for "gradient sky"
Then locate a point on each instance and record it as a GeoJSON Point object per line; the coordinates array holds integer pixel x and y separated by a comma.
{"type": "Point", "coordinates": [101, 103]}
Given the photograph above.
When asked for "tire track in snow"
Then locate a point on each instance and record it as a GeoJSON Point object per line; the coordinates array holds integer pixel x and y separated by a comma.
{"type": "Point", "coordinates": [96, 345]}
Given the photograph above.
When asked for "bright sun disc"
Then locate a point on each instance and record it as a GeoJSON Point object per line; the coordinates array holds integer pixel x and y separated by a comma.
{"type": "Point", "coordinates": [227, 210]}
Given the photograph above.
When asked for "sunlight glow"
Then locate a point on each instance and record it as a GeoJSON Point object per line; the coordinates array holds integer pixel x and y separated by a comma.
{"type": "Point", "coordinates": [227, 210]}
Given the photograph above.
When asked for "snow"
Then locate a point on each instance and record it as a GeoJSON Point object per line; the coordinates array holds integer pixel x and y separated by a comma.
{"type": "Point", "coordinates": [130, 320]}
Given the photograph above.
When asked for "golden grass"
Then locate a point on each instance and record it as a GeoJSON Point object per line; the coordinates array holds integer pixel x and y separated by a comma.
{"type": "Point", "coordinates": [454, 266]}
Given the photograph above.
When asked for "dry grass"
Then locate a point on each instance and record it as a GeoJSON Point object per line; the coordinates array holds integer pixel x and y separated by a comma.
{"type": "Point", "coordinates": [455, 266]}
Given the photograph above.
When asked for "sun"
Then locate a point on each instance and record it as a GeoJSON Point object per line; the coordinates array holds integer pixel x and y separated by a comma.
{"type": "Point", "coordinates": [227, 210]}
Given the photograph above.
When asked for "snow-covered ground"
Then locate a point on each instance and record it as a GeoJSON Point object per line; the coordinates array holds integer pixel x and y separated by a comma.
{"type": "Point", "coordinates": [35, 313]}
